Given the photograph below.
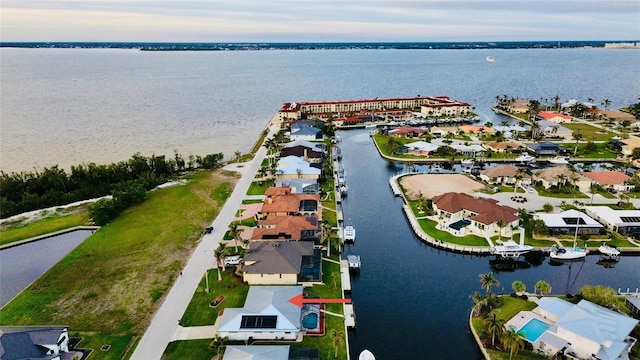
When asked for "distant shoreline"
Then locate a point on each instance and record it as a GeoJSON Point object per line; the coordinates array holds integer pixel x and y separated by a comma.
{"type": "Point", "coordinates": [232, 46]}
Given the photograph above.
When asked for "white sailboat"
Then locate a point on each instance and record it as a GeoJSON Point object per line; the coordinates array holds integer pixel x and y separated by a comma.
{"type": "Point", "coordinates": [572, 253]}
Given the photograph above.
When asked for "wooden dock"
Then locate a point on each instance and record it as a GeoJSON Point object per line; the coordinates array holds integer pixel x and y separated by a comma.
{"type": "Point", "coordinates": [345, 277]}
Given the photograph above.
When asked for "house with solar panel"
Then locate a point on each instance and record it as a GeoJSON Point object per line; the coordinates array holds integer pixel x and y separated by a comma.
{"type": "Point", "coordinates": [624, 222]}
{"type": "Point", "coordinates": [578, 331]}
{"type": "Point", "coordinates": [267, 315]}
{"type": "Point", "coordinates": [35, 342]}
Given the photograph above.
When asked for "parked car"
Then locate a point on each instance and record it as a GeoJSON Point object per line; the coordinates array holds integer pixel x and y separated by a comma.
{"type": "Point", "coordinates": [232, 260]}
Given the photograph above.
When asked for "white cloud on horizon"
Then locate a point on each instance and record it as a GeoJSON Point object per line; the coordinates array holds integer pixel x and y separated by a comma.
{"type": "Point", "coordinates": [318, 20]}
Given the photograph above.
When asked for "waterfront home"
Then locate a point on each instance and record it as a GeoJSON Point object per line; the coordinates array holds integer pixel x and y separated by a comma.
{"type": "Point", "coordinates": [501, 174]}
{"type": "Point", "coordinates": [560, 175]}
{"type": "Point", "coordinates": [281, 202]}
{"type": "Point", "coordinates": [580, 331]}
{"type": "Point", "coordinates": [306, 150]}
{"type": "Point", "coordinates": [35, 342]}
{"type": "Point", "coordinates": [610, 180]}
{"type": "Point", "coordinates": [407, 132]}
{"type": "Point", "coordinates": [306, 132]}
{"type": "Point", "coordinates": [287, 228]}
{"type": "Point", "coordinates": [299, 186]}
{"type": "Point", "coordinates": [421, 148]}
{"type": "Point", "coordinates": [282, 263]}
{"type": "Point", "coordinates": [502, 146]}
{"type": "Point", "coordinates": [629, 144]}
{"type": "Point", "coordinates": [518, 106]}
{"type": "Point", "coordinates": [625, 222]}
{"type": "Point", "coordinates": [569, 222]}
{"type": "Point", "coordinates": [510, 131]}
{"type": "Point", "coordinates": [550, 129]}
{"type": "Point", "coordinates": [466, 148]}
{"type": "Point", "coordinates": [443, 131]}
{"type": "Point", "coordinates": [476, 129]}
{"type": "Point", "coordinates": [443, 106]}
{"type": "Point", "coordinates": [553, 116]}
{"type": "Point", "coordinates": [546, 148]}
{"type": "Point", "coordinates": [267, 315]}
{"type": "Point", "coordinates": [481, 216]}
{"type": "Point", "coordinates": [269, 352]}
{"type": "Point", "coordinates": [295, 167]}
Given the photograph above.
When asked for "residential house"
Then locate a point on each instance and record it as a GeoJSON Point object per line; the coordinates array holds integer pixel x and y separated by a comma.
{"type": "Point", "coordinates": [614, 180]}
{"type": "Point", "coordinates": [306, 150]}
{"type": "Point", "coordinates": [281, 263]}
{"type": "Point", "coordinates": [465, 148]}
{"type": "Point", "coordinates": [510, 131]}
{"type": "Point", "coordinates": [35, 342]}
{"type": "Point", "coordinates": [502, 146]}
{"type": "Point", "coordinates": [518, 106]}
{"type": "Point", "coordinates": [546, 148]}
{"type": "Point", "coordinates": [550, 129]}
{"type": "Point", "coordinates": [484, 215]}
{"type": "Point", "coordinates": [501, 174]}
{"type": "Point", "coordinates": [407, 132]}
{"type": "Point", "coordinates": [619, 116]}
{"type": "Point", "coordinates": [553, 116]}
{"type": "Point", "coordinates": [294, 167]}
{"type": "Point", "coordinates": [556, 175]}
{"type": "Point", "coordinates": [476, 129]}
{"type": "Point", "coordinates": [269, 352]}
{"type": "Point", "coordinates": [299, 186]}
{"type": "Point", "coordinates": [267, 315]}
{"type": "Point", "coordinates": [287, 228]}
{"type": "Point", "coordinates": [281, 202]}
{"type": "Point", "coordinates": [571, 222]}
{"type": "Point", "coordinates": [302, 130]}
{"type": "Point", "coordinates": [570, 103]}
{"type": "Point", "coordinates": [625, 222]}
{"type": "Point", "coordinates": [422, 148]}
{"type": "Point", "coordinates": [579, 331]}
{"type": "Point", "coordinates": [443, 131]}
{"type": "Point", "coordinates": [629, 145]}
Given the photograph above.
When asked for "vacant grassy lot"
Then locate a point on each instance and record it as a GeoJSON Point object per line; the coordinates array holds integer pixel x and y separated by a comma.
{"type": "Point", "coordinates": [46, 223]}
{"type": "Point", "coordinates": [590, 132]}
{"type": "Point", "coordinates": [111, 283]}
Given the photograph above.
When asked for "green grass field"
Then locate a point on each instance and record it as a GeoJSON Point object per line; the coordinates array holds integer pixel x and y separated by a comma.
{"type": "Point", "coordinates": [52, 222]}
{"type": "Point", "coordinates": [111, 283]}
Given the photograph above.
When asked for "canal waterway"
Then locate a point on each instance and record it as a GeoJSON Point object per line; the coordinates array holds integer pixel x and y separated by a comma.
{"type": "Point", "coordinates": [412, 301]}
{"type": "Point", "coordinates": [22, 265]}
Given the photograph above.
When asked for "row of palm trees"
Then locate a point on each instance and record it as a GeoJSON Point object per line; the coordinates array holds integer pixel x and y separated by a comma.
{"type": "Point", "coordinates": [512, 341]}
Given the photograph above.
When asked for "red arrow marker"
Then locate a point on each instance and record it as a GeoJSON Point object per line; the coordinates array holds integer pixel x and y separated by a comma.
{"type": "Point", "coordinates": [298, 300]}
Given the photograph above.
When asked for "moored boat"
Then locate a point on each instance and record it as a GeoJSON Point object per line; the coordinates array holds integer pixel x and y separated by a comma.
{"type": "Point", "coordinates": [511, 249]}
{"type": "Point", "coordinates": [525, 158]}
{"type": "Point", "coordinates": [466, 161]}
{"type": "Point", "coordinates": [560, 160]}
{"type": "Point", "coordinates": [354, 262]}
{"type": "Point", "coordinates": [608, 250]}
{"type": "Point", "coordinates": [572, 253]}
{"type": "Point", "coordinates": [366, 355]}
{"type": "Point", "coordinates": [349, 234]}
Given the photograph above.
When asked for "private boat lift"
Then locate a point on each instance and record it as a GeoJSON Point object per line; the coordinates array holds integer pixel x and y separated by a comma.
{"type": "Point", "coordinates": [510, 249]}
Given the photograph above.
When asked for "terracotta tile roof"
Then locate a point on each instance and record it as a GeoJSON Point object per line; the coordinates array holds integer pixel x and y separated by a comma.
{"type": "Point", "coordinates": [476, 129]}
{"type": "Point", "coordinates": [285, 227]}
{"type": "Point", "coordinates": [608, 177]}
{"type": "Point", "coordinates": [408, 130]}
{"type": "Point", "coordinates": [501, 144]}
{"type": "Point", "coordinates": [551, 115]}
{"type": "Point", "coordinates": [488, 211]}
{"type": "Point", "coordinates": [279, 200]}
{"type": "Point", "coordinates": [500, 171]}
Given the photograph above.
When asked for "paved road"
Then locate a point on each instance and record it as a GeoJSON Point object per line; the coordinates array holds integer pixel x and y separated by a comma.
{"type": "Point", "coordinates": [165, 322]}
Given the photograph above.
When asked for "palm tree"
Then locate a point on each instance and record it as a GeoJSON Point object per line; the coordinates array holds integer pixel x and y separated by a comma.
{"type": "Point", "coordinates": [236, 233]}
{"type": "Point", "coordinates": [337, 338]}
{"type": "Point", "coordinates": [501, 223]}
{"type": "Point", "coordinates": [219, 253]}
{"type": "Point", "coordinates": [478, 301]}
{"type": "Point", "coordinates": [606, 103]}
{"type": "Point", "coordinates": [327, 231]}
{"type": "Point", "coordinates": [218, 344]}
{"type": "Point", "coordinates": [487, 280]}
{"type": "Point", "coordinates": [495, 326]}
{"type": "Point", "coordinates": [237, 154]}
{"type": "Point", "coordinates": [543, 286]}
{"type": "Point", "coordinates": [512, 341]}
{"type": "Point", "coordinates": [518, 286]}
{"type": "Point", "coordinates": [421, 201]}
{"type": "Point", "coordinates": [335, 276]}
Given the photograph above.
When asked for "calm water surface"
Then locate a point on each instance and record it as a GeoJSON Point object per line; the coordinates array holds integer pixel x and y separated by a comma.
{"type": "Point", "coordinates": [21, 265]}
{"type": "Point", "coordinates": [68, 106]}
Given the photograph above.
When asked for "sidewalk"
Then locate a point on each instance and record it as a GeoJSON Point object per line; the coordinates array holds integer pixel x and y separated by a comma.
{"type": "Point", "coordinates": [164, 325]}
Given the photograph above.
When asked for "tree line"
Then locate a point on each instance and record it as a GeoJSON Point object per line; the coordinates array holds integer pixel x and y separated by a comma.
{"type": "Point", "coordinates": [32, 190]}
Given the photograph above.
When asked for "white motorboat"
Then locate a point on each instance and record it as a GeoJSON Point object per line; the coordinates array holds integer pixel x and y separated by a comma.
{"type": "Point", "coordinates": [511, 249]}
{"type": "Point", "coordinates": [354, 262]}
{"type": "Point", "coordinates": [366, 355]}
{"type": "Point", "coordinates": [560, 160]}
{"type": "Point", "coordinates": [525, 158]}
{"type": "Point", "coordinates": [609, 250]}
{"type": "Point", "coordinates": [343, 190]}
{"type": "Point", "coordinates": [490, 59]}
{"type": "Point", "coordinates": [466, 161]}
{"type": "Point", "coordinates": [349, 234]}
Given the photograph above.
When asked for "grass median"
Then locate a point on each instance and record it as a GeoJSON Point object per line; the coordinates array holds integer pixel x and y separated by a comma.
{"type": "Point", "coordinates": [111, 283]}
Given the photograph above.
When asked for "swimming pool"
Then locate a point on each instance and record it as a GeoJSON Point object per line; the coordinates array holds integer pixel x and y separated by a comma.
{"type": "Point", "coordinates": [310, 321]}
{"type": "Point", "coordinates": [460, 224]}
{"type": "Point", "coordinates": [533, 329]}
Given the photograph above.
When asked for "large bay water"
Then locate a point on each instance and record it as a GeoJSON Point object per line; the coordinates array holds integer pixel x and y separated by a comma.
{"type": "Point", "coordinates": [68, 106]}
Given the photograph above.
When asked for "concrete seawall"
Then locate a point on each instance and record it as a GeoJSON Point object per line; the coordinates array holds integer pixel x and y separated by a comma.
{"type": "Point", "coordinates": [45, 236]}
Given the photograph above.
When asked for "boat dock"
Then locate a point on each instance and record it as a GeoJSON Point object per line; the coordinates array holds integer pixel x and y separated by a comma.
{"type": "Point", "coordinates": [346, 279]}
{"type": "Point", "coordinates": [349, 316]}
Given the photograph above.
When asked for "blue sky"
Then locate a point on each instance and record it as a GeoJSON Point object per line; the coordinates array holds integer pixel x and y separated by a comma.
{"type": "Point", "coordinates": [317, 20]}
